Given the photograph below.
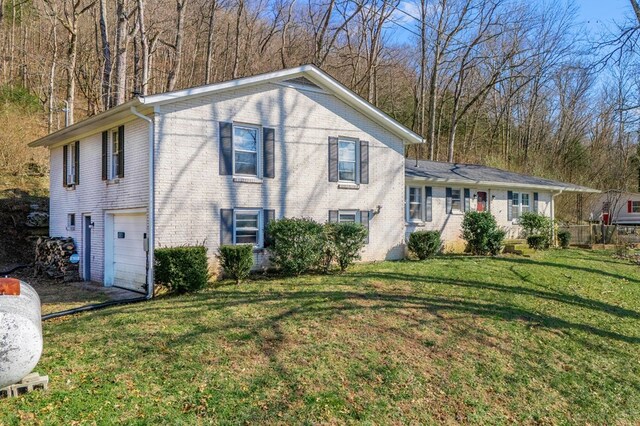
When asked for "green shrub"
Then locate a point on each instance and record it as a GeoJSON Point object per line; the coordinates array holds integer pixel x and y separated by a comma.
{"type": "Point", "coordinates": [495, 241]}
{"type": "Point", "coordinates": [296, 245]}
{"type": "Point", "coordinates": [537, 242]}
{"type": "Point", "coordinates": [343, 241]}
{"type": "Point", "coordinates": [424, 244]}
{"type": "Point", "coordinates": [482, 234]}
{"type": "Point", "coordinates": [236, 261]}
{"type": "Point", "coordinates": [537, 224]}
{"type": "Point", "coordinates": [182, 269]}
{"type": "Point", "coordinates": [564, 238]}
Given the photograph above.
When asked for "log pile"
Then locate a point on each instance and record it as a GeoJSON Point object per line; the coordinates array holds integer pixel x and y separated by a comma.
{"type": "Point", "coordinates": [52, 258]}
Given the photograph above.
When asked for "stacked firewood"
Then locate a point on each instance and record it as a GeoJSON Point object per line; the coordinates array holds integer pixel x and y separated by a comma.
{"type": "Point", "coordinates": [53, 258]}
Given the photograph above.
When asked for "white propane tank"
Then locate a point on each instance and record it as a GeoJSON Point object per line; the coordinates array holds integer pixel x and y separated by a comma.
{"type": "Point", "coordinates": [20, 330]}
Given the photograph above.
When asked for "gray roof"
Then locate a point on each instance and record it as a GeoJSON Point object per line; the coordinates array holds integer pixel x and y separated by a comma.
{"type": "Point", "coordinates": [474, 174]}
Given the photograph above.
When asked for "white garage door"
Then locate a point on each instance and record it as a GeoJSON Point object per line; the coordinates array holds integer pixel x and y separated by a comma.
{"type": "Point", "coordinates": [129, 256]}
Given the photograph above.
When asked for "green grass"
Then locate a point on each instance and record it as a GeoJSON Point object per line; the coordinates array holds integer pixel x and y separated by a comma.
{"type": "Point", "coordinates": [553, 339]}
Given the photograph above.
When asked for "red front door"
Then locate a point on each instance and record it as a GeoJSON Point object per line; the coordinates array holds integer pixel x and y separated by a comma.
{"type": "Point", "coordinates": [482, 201]}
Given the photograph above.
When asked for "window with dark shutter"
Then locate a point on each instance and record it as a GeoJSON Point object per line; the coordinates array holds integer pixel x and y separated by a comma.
{"type": "Point", "coordinates": [364, 162]}
{"type": "Point", "coordinates": [364, 220]}
{"type": "Point", "coordinates": [65, 166]}
{"type": "Point", "coordinates": [535, 202]}
{"type": "Point", "coordinates": [226, 226]}
{"type": "Point", "coordinates": [509, 204]}
{"type": "Point", "coordinates": [268, 143]}
{"type": "Point", "coordinates": [467, 199]}
{"type": "Point", "coordinates": [333, 159]}
{"type": "Point", "coordinates": [120, 152]}
{"type": "Point", "coordinates": [226, 148]}
{"type": "Point", "coordinates": [269, 216]}
{"type": "Point", "coordinates": [448, 200]}
{"type": "Point", "coordinates": [76, 160]}
{"type": "Point", "coordinates": [428, 204]}
{"type": "Point", "coordinates": [105, 154]}
{"type": "Point", "coordinates": [333, 216]}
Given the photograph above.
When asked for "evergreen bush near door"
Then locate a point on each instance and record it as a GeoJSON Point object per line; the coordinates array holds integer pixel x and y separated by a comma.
{"type": "Point", "coordinates": [182, 269]}
{"type": "Point", "coordinates": [482, 234]}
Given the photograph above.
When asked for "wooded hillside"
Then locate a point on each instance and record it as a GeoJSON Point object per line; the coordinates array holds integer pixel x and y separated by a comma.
{"type": "Point", "coordinates": [513, 84]}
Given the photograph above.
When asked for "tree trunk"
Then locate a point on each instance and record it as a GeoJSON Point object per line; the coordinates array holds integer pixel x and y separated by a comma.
{"type": "Point", "coordinates": [120, 83]}
{"type": "Point", "coordinates": [106, 57]}
{"type": "Point", "coordinates": [177, 62]}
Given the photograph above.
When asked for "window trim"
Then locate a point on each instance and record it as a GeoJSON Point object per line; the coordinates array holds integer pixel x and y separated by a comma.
{"type": "Point", "coordinates": [460, 199]}
{"type": "Point", "coordinates": [635, 206]}
{"type": "Point", "coordinates": [517, 196]}
{"type": "Point", "coordinates": [356, 160]}
{"type": "Point", "coordinates": [71, 221]}
{"type": "Point", "coordinates": [421, 203]}
{"type": "Point", "coordinates": [260, 231]}
{"type": "Point", "coordinates": [259, 149]}
{"type": "Point", "coordinates": [71, 178]}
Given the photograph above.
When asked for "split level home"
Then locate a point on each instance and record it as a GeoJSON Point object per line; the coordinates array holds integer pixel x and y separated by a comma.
{"type": "Point", "coordinates": [214, 164]}
{"type": "Point", "coordinates": [616, 207]}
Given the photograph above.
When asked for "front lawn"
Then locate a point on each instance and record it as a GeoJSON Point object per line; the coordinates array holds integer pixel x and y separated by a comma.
{"type": "Point", "coordinates": [543, 340]}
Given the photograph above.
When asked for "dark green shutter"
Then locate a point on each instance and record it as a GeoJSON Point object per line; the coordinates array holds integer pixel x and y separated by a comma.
{"type": "Point", "coordinates": [226, 148]}
{"type": "Point", "coordinates": [364, 220]}
{"type": "Point", "coordinates": [333, 159]}
{"type": "Point", "coordinates": [535, 202]}
{"type": "Point", "coordinates": [364, 162]}
{"type": "Point", "coordinates": [333, 216]}
{"type": "Point", "coordinates": [121, 151]}
{"type": "Point", "coordinates": [467, 199]}
{"type": "Point", "coordinates": [105, 151]}
{"type": "Point", "coordinates": [509, 205]}
{"type": "Point", "coordinates": [268, 151]}
{"type": "Point", "coordinates": [226, 226]}
{"type": "Point", "coordinates": [448, 202]}
{"type": "Point", "coordinates": [65, 153]}
{"type": "Point", "coordinates": [269, 216]}
{"type": "Point", "coordinates": [76, 159]}
{"type": "Point", "coordinates": [428, 202]}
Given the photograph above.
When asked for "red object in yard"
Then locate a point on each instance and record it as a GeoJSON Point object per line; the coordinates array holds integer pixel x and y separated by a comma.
{"type": "Point", "coordinates": [605, 218]}
{"type": "Point", "coordinates": [9, 287]}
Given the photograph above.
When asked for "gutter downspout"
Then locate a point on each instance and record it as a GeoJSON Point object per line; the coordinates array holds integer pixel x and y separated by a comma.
{"type": "Point", "coordinates": [554, 237]}
{"type": "Point", "coordinates": [152, 206]}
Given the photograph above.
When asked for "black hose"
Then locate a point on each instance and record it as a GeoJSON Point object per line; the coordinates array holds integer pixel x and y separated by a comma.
{"type": "Point", "coordinates": [93, 307]}
{"type": "Point", "coordinates": [10, 271]}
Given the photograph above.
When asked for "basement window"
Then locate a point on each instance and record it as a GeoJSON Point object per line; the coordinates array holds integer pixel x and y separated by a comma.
{"type": "Point", "coordinates": [71, 222]}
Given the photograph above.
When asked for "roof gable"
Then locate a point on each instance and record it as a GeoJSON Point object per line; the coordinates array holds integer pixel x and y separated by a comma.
{"type": "Point", "coordinates": [303, 76]}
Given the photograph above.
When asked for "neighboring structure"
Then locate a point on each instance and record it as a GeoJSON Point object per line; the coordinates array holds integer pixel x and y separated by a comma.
{"type": "Point", "coordinates": [438, 194]}
{"type": "Point", "coordinates": [225, 158]}
{"type": "Point", "coordinates": [615, 207]}
{"type": "Point", "coordinates": [214, 164]}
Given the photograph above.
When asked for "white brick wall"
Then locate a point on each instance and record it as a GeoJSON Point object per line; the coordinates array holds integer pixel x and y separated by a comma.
{"type": "Point", "coordinates": [93, 195]}
{"type": "Point", "coordinates": [190, 191]}
{"type": "Point", "coordinates": [450, 225]}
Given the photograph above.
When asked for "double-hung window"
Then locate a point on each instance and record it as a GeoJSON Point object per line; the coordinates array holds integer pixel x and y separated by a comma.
{"type": "Point", "coordinates": [246, 144]}
{"type": "Point", "coordinates": [415, 204]}
{"type": "Point", "coordinates": [71, 160]}
{"type": "Point", "coordinates": [456, 200]}
{"type": "Point", "coordinates": [115, 152]}
{"type": "Point", "coordinates": [347, 160]}
{"type": "Point", "coordinates": [635, 206]}
{"type": "Point", "coordinates": [247, 227]}
{"type": "Point", "coordinates": [347, 216]}
{"type": "Point", "coordinates": [520, 203]}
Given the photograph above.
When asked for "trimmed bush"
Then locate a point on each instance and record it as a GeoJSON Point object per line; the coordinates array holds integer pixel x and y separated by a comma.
{"type": "Point", "coordinates": [182, 269]}
{"type": "Point", "coordinates": [424, 244]}
{"type": "Point", "coordinates": [564, 238]}
{"type": "Point", "coordinates": [482, 234]}
{"type": "Point", "coordinates": [296, 245]}
{"type": "Point", "coordinates": [495, 241]}
{"type": "Point", "coordinates": [236, 261]}
{"type": "Point", "coordinates": [537, 224]}
{"type": "Point", "coordinates": [345, 240]}
{"type": "Point", "coordinates": [537, 242]}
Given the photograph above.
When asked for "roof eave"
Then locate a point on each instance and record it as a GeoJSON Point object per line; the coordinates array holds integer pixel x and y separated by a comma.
{"type": "Point", "coordinates": [551, 188]}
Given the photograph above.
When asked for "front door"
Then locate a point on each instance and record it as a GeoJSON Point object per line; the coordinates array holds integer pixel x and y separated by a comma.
{"type": "Point", "coordinates": [86, 249]}
{"type": "Point", "coordinates": [482, 201]}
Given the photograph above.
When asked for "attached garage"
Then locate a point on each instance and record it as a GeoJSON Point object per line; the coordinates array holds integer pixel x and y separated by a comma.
{"type": "Point", "coordinates": [126, 258]}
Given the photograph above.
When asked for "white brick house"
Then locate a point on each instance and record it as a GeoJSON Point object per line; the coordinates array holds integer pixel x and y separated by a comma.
{"type": "Point", "coordinates": [213, 164]}
{"type": "Point", "coordinates": [226, 159]}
